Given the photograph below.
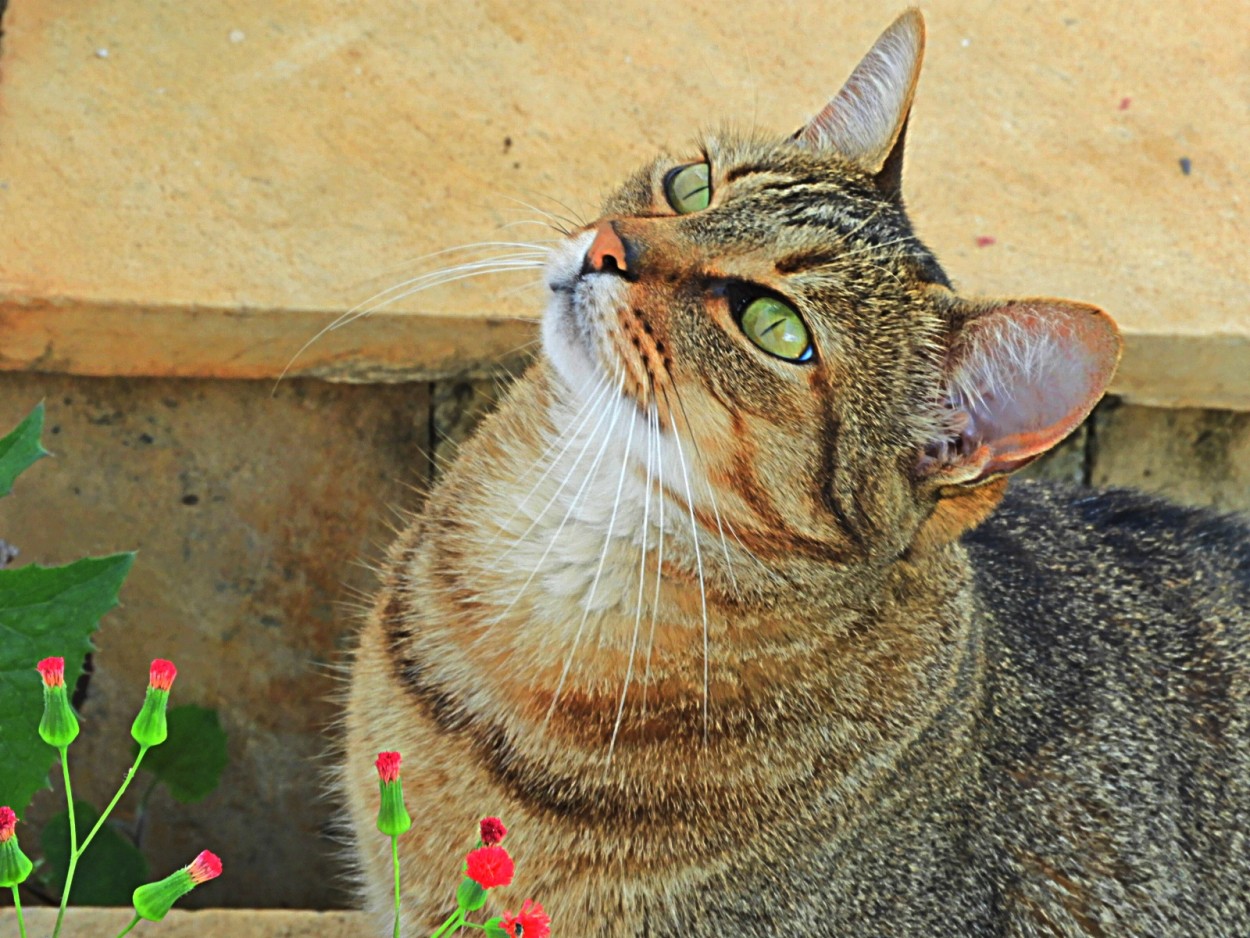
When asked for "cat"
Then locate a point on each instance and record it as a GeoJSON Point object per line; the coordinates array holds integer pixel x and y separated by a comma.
{"type": "Point", "coordinates": [729, 613]}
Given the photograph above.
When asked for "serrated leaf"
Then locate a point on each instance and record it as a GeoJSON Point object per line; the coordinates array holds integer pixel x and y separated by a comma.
{"type": "Point", "coordinates": [44, 611]}
{"type": "Point", "coordinates": [190, 761]}
{"type": "Point", "coordinates": [109, 870]}
{"type": "Point", "coordinates": [20, 449]}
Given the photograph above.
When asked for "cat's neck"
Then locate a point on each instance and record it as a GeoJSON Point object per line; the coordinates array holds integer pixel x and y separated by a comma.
{"type": "Point", "coordinates": [535, 615]}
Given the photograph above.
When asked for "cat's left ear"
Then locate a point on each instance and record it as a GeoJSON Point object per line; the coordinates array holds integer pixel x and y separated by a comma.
{"type": "Point", "coordinates": [867, 120]}
{"type": "Point", "coordinates": [1021, 375]}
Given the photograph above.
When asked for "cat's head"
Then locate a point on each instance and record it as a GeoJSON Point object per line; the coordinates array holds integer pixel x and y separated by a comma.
{"type": "Point", "coordinates": [766, 305]}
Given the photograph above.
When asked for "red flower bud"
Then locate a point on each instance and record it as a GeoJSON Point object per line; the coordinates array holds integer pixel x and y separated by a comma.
{"type": "Point", "coordinates": [493, 831]}
{"type": "Point", "coordinates": [162, 674]}
{"type": "Point", "coordinates": [387, 765]}
{"type": "Point", "coordinates": [52, 670]}
{"type": "Point", "coordinates": [204, 867]}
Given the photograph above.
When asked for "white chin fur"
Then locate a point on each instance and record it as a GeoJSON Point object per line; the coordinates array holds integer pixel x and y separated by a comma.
{"type": "Point", "coordinates": [577, 309]}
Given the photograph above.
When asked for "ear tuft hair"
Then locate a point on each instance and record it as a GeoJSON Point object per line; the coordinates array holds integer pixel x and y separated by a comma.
{"type": "Point", "coordinates": [865, 121]}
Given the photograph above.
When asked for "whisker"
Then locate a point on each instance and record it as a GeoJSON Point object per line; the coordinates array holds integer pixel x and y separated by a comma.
{"type": "Point", "coordinates": [602, 389]}
{"type": "Point", "coordinates": [603, 557]}
{"type": "Point", "coordinates": [642, 581]}
{"type": "Point", "coordinates": [590, 474]}
{"type": "Point", "coordinates": [659, 560]}
{"type": "Point", "coordinates": [711, 491]}
{"type": "Point", "coordinates": [568, 476]}
{"type": "Point", "coordinates": [698, 558]}
{"type": "Point", "coordinates": [480, 268]}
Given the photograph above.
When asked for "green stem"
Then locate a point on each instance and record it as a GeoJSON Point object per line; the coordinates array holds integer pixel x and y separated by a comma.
{"type": "Point", "coordinates": [17, 904]}
{"type": "Point", "coordinates": [77, 849]}
{"type": "Point", "coordinates": [133, 922]}
{"type": "Point", "coordinates": [73, 840]}
{"type": "Point", "coordinates": [112, 804]}
{"type": "Point", "coordinates": [455, 920]}
{"type": "Point", "coordinates": [395, 863]}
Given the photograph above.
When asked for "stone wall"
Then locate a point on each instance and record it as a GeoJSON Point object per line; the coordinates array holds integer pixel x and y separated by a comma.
{"type": "Point", "coordinates": [256, 512]}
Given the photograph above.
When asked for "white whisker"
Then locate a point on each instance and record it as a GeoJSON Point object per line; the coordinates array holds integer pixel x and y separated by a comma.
{"type": "Point", "coordinates": [590, 474]}
{"type": "Point", "coordinates": [659, 560]}
{"type": "Point", "coordinates": [642, 580]}
{"type": "Point", "coordinates": [698, 558]}
{"type": "Point", "coordinates": [603, 557]}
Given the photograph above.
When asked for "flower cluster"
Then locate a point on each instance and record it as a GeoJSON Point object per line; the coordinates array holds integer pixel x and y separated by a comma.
{"type": "Point", "coordinates": [487, 866]}
{"type": "Point", "coordinates": [58, 728]}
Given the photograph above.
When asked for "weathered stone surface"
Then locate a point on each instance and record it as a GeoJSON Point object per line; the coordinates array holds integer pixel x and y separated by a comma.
{"type": "Point", "coordinates": [199, 197]}
{"type": "Point", "coordinates": [254, 512]}
{"type": "Point", "coordinates": [210, 923]}
{"type": "Point", "coordinates": [1196, 457]}
{"type": "Point", "coordinates": [1065, 463]}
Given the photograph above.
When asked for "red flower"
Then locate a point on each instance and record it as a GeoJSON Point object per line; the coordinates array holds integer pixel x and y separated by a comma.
{"type": "Point", "coordinates": [162, 674]}
{"type": "Point", "coordinates": [493, 831]}
{"type": "Point", "coordinates": [387, 765]}
{"type": "Point", "coordinates": [53, 671]}
{"type": "Point", "coordinates": [204, 867]}
{"type": "Point", "coordinates": [489, 867]}
{"type": "Point", "coordinates": [8, 821]}
{"type": "Point", "coordinates": [531, 922]}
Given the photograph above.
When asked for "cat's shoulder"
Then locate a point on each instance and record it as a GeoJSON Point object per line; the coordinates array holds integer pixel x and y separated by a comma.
{"type": "Point", "coordinates": [1083, 589]}
{"type": "Point", "coordinates": [1118, 539]}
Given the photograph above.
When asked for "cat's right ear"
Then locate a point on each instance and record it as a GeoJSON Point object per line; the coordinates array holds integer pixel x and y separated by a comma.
{"type": "Point", "coordinates": [866, 121]}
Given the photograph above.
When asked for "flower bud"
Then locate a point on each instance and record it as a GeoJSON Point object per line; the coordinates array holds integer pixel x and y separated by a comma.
{"type": "Point", "coordinates": [492, 831]}
{"type": "Point", "coordinates": [154, 900]}
{"type": "Point", "coordinates": [149, 728]}
{"type": "Point", "coordinates": [393, 817]}
{"type": "Point", "coordinates": [59, 725]}
{"type": "Point", "coordinates": [15, 866]}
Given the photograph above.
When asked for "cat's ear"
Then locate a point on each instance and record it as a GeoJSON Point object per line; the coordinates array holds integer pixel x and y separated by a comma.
{"type": "Point", "coordinates": [1021, 375]}
{"type": "Point", "coordinates": [866, 120]}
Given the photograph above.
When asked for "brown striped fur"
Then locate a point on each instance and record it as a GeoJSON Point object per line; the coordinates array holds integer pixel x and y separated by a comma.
{"type": "Point", "coordinates": [826, 708]}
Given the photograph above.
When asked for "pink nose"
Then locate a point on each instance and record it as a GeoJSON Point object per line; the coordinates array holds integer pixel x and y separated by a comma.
{"type": "Point", "coordinates": [607, 251]}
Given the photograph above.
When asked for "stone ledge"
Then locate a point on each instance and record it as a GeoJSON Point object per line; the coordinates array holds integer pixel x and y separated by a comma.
{"type": "Point", "coordinates": [198, 199]}
{"type": "Point", "coordinates": [206, 923]}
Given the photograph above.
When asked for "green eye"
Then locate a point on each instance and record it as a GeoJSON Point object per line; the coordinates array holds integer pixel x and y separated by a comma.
{"type": "Point", "coordinates": [688, 189]}
{"type": "Point", "coordinates": [777, 329]}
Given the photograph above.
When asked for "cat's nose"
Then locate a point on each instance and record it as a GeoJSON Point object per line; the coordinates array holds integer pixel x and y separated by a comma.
{"type": "Point", "coordinates": [608, 253]}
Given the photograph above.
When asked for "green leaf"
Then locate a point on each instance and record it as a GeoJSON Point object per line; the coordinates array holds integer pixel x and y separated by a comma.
{"type": "Point", "coordinates": [494, 929]}
{"type": "Point", "coordinates": [191, 760]}
{"type": "Point", "coordinates": [107, 872]}
{"type": "Point", "coordinates": [21, 449]}
{"type": "Point", "coordinates": [44, 611]}
{"type": "Point", "coordinates": [470, 896]}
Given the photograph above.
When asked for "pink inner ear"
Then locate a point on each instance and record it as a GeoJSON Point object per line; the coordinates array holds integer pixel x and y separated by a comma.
{"type": "Point", "coordinates": [1026, 374]}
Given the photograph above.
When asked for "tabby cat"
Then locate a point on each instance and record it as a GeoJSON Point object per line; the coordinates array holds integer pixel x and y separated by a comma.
{"type": "Point", "coordinates": [729, 613]}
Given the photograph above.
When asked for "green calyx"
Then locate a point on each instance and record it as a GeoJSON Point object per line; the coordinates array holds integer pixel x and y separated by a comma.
{"type": "Point", "coordinates": [59, 725]}
{"type": "Point", "coordinates": [393, 818]}
{"type": "Point", "coordinates": [15, 866]}
{"type": "Point", "coordinates": [149, 728]}
{"type": "Point", "coordinates": [154, 900]}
